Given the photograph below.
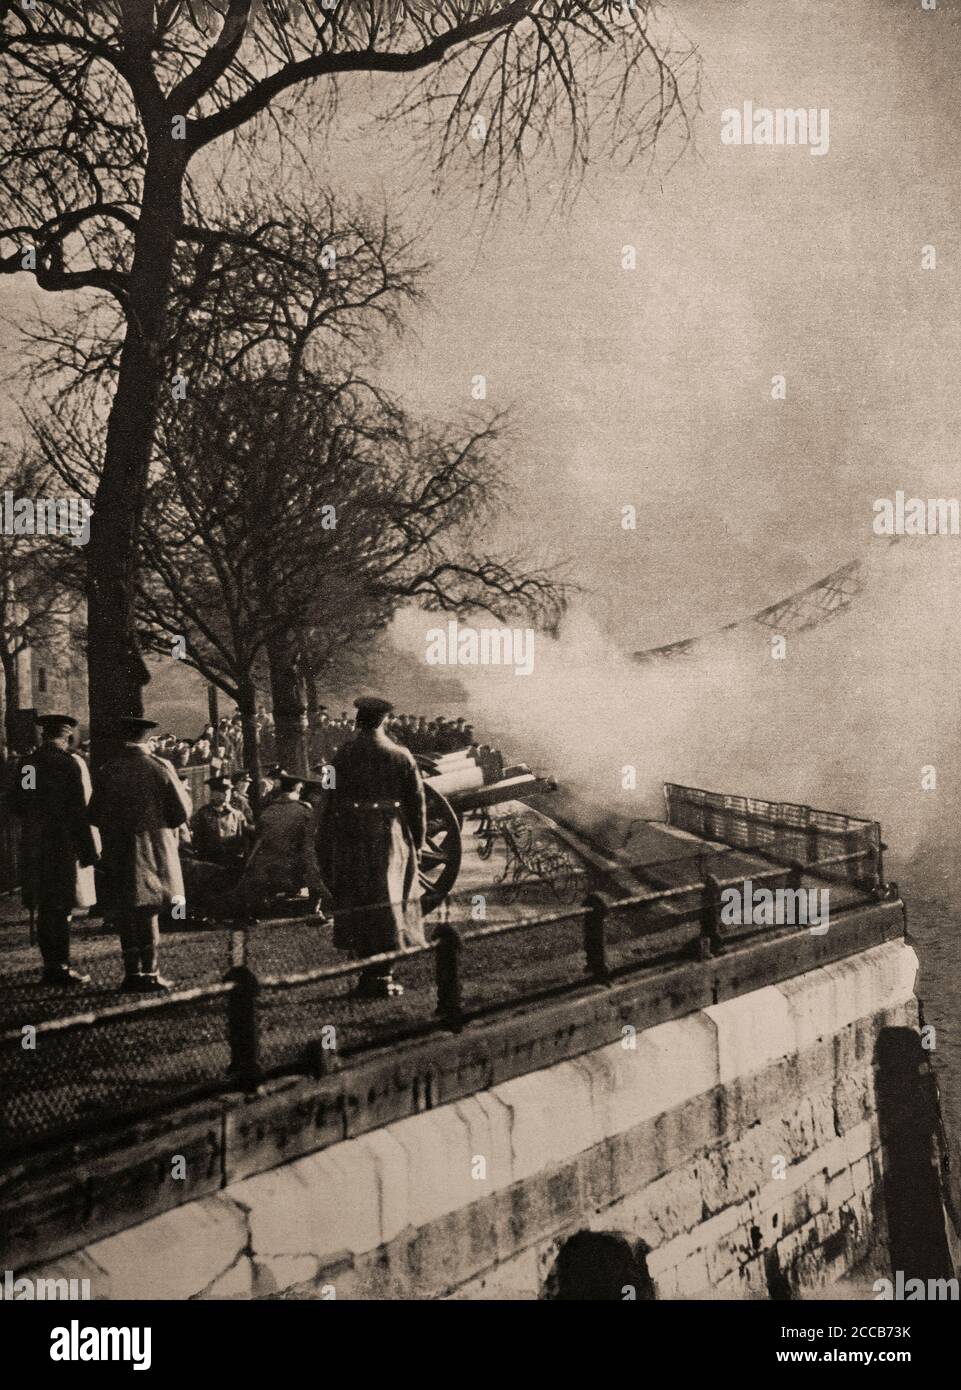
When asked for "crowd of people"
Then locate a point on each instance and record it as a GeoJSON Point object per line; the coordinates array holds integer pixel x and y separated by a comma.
{"type": "Point", "coordinates": [129, 839]}
{"type": "Point", "coordinates": [221, 746]}
{"type": "Point", "coordinates": [414, 731]}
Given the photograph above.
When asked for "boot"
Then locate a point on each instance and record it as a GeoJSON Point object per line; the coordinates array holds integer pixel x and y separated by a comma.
{"type": "Point", "coordinates": [150, 970]}
{"type": "Point", "coordinates": [154, 983]}
{"type": "Point", "coordinates": [377, 984]}
{"type": "Point", "coordinates": [133, 979]}
{"type": "Point", "coordinates": [63, 976]}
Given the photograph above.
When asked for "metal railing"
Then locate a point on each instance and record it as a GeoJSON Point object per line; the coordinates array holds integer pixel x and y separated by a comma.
{"type": "Point", "coordinates": [67, 1076]}
{"type": "Point", "coordinates": [785, 831]}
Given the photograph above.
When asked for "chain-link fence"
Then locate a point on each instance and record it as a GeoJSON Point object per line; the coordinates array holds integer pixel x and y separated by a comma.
{"type": "Point", "coordinates": [64, 1076]}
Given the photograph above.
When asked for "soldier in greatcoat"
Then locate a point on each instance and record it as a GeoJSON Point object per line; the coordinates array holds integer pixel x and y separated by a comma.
{"type": "Point", "coordinates": [139, 804]}
{"type": "Point", "coordinates": [50, 793]}
{"type": "Point", "coordinates": [371, 831]}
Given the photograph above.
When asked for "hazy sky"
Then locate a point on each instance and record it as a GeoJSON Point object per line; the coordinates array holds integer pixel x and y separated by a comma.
{"type": "Point", "coordinates": [652, 387]}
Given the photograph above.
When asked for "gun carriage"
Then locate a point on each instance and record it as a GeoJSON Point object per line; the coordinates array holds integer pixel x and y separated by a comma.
{"type": "Point", "coordinates": [457, 784]}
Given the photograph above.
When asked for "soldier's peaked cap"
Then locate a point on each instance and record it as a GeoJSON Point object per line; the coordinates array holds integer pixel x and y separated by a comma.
{"type": "Point", "coordinates": [55, 721]}
{"type": "Point", "coordinates": [373, 704]}
{"type": "Point", "coordinates": [289, 779]}
{"type": "Point", "coordinates": [133, 724]}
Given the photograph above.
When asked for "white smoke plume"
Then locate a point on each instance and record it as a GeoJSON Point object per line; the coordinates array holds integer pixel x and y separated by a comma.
{"type": "Point", "coordinates": [848, 720]}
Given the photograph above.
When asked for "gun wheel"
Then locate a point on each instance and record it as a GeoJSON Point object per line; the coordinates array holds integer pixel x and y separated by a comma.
{"type": "Point", "coordinates": [441, 855]}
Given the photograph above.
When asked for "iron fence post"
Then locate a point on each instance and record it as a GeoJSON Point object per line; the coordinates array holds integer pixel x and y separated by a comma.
{"type": "Point", "coordinates": [710, 939]}
{"type": "Point", "coordinates": [447, 964]}
{"type": "Point", "coordinates": [595, 943]}
{"type": "Point", "coordinates": [238, 946]}
{"type": "Point", "coordinates": [242, 1026]}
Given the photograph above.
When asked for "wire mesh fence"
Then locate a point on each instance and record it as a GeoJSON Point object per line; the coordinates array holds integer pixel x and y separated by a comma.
{"type": "Point", "coordinates": [782, 830]}
{"type": "Point", "coordinates": [324, 1016]}
{"type": "Point", "coordinates": [500, 966]}
{"type": "Point", "coordinates": [80, 1074]}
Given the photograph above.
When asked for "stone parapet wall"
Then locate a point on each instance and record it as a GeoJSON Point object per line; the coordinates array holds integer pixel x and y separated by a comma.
{"type": "Point", "coordinates": [733, 1152]}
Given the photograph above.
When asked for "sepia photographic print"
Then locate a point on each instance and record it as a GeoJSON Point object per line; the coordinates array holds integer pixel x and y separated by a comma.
{"type": "Point", "coordinates": [480, 549]}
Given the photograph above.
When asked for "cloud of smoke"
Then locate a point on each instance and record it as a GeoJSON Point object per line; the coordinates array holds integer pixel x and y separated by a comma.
{"type": "Point", "coordinates": [848, 720]}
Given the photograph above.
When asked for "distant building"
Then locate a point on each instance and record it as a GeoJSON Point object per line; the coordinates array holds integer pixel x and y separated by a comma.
{"type": "Point", "coordinates": [51, 676]}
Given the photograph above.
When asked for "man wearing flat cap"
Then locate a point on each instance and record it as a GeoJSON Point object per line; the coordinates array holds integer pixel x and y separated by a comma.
{"type": "Point", "coordinates": [139, 804]}
{"type": "Point", "coordinates": [372, 829]}
{"type": "Point", "coordinates": [50, 793]}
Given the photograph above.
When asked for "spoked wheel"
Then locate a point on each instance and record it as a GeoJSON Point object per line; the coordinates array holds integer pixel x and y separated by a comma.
{"type": "Point", "coordinates": [441, 855]}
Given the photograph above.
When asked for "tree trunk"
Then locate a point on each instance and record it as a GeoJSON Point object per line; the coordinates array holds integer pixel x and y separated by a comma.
{"type": "Point", "coordinates": [247, 704]}
{"type": "Point", "coordinates": [310, 687]}
{"type": "Point", "coordinates": [117, 672]}
{"type": "Point", "coordinates": [289, 697]}
{"type": "Point", "coordinates": [11, 697]}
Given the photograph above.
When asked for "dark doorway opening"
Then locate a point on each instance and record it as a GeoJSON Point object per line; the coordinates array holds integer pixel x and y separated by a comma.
{"type": "Point", "coordinates": [599, 1266]}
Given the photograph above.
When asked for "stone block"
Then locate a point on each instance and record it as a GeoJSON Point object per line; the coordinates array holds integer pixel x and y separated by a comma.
{"type": "Point", "coordinates": [236, 1282]}
{"type": "Point", "coordinates": [391, 1165]}
{"type": "Point", "coordinates": [753, 1031]}
{"type": "Point", "coordinates": [78, 1266]}
{"type": "Point", "coordinates": [277, 1274]}
{"type": "Point", "coordinates": [518, 1279]}
{"type": "Point", "coordinates": [494, 1133]}
{"type": "Point", "coordinates": [692, 1277]}
{"type": "Point", "coordinates": [854, 1099]}
{"type": "Point", "coordinates": [440, 1163]}
{"type": "Point", "coordinates": [840, 1188]}
{"type": "Point", "coordinates": [552, 1117]}
{"type": "Point", "coordinates": [176, 1255]}
{"type": "Point", "coordinates": [861, 1174]}
{"type": "Point", "coordinates": [319, 1206]}
{"type": "Point", "coordinates": [861, 1139]}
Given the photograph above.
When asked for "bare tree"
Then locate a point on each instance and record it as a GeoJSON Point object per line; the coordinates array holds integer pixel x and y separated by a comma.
{"type": "Point", "coordinates": [289, 520]}
{"type": "Point", "coordinates": [106, 106]}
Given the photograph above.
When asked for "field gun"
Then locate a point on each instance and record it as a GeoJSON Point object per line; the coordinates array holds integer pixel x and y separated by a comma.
{"type": "Point", "coordinates": [455, 785]}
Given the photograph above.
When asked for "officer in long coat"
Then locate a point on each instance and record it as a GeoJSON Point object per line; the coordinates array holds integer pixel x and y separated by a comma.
{"type": "Point", "coordinates": [139, 803]}
{"type": "Point", "coordinates": [58, 847]}
{"type": "Point", "coordinates": [371, 831]}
